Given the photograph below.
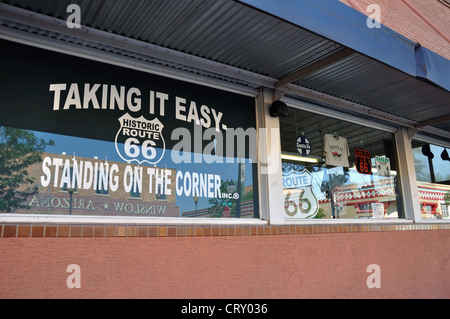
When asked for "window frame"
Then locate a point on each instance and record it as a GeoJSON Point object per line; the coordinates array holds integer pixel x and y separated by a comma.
{"type": "Point", "coordinates": [162, 71]}
{"type": "Point", "coordinates": [437, 142]}
{"type": "Point", "coordinates": [402, 149]}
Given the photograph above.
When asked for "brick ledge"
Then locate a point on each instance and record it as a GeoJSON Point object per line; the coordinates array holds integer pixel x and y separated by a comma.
{"type": "Point", "coordinates": [107, 230]}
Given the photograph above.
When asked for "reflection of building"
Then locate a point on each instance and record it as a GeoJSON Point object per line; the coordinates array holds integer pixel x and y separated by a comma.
{"type": "Point", "coordinates": [360, 202]}
{"type": "Point", "coordinates": [101, 187]}
{"type": "Point", "coordinates": [357, 201]}
{"type": "Point", "coordinates": [432, 200]}
{"type": "Point", "coordinates": [247, 207]}
{"type": "Point", "coordinates": [246, 211]}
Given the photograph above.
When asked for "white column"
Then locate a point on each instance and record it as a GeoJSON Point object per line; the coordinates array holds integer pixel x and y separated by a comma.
{"type": "Point", "coordinates": [407, 174]}
{"type": "Point", "coordinates": [269, 160]}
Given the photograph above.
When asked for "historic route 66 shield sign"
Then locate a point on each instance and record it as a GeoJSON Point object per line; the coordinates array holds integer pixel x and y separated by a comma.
{"type": "Point", "coordinates": [362, 162]}
{"type": "Point", "coordinates": [300, 200]}
{"type": "Point", "coordinates": [140, 140]}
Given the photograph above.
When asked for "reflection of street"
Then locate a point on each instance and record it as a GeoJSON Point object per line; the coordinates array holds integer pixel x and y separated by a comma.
{"type": "Point", "coordinates": [246, 211]}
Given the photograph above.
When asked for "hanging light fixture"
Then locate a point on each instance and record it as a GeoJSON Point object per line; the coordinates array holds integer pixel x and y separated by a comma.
{"type": "Point", "coordinates": [278, 109]}
{"type": "Point", "coordinates": [444, 155]}
{"type": "Point", "coordinates": [427, 151]}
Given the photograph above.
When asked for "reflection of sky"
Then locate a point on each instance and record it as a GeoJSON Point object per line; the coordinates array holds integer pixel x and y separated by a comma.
{"type": "Point", "coordinates": [441, 167]}
{"type": "Point", "coordinates": [88, 148]}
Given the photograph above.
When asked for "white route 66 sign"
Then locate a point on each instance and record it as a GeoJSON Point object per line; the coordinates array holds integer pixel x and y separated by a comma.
{"type": "Point", "coordinates": [140, 140]}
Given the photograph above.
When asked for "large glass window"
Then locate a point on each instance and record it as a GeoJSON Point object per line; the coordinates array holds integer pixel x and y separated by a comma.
{"type": "Point", "coordinates": [336, 169]}
{"type": "Point", "coordinates": [432, 164]}
{"type": "Point", "coordinates": [86, 138]}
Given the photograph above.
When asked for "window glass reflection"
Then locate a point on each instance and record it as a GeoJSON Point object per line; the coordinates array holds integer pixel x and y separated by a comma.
{"type": "Point", "coordinates": [432, 165]}
{"type": "Point", "coordinates": [336, 169]}
{"type": "Point", "coordinates": [61, 174]}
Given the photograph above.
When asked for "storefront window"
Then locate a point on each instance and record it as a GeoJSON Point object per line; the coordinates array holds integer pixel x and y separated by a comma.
{"type": "Point", "coordinates": [432, 164]}
{"type": "Point", "coordinates": [86, 138]}
{"type": "Point", "coordinates": [337, 169]}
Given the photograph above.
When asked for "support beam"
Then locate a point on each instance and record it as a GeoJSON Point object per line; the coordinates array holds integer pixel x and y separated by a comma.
{"type": "Point", "coordinates": [437, 120]}
{"type": "Point", "coordinates": [342, 54]}
{"type": "Point", "coordinates": [278, 94]}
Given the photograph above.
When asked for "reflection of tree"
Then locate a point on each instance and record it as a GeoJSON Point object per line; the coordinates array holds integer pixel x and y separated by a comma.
{"type": "Point", "coordinates": [319, 214]}
{"type": "Point", "coordinates": [288, 166]}
{"type": "Point", "coordinates": [421, 166]}
{"type": "Point", "coordinates": [19, 149]}
{"type": "Point", "coordinates": [447, 198]}
{"type": "Point", "coordinates": [441, 177]}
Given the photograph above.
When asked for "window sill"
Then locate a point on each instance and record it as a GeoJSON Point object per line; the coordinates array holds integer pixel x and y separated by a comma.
{"type": "Point", "coordinates": [342, 221]}
{"type": "Point", "coordinates": [89, 226]}
{"type": "Point", "coordinates": [86, 219]}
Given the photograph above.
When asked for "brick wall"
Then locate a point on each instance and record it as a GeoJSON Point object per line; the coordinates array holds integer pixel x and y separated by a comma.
{"type": "Point", "coordinates": [280, 263]}
{"type": "Point", "coordinates": [396, 15]}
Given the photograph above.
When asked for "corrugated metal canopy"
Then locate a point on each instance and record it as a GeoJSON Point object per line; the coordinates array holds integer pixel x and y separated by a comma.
{"type": "Point", "coordinates": [222, 31]}
{"type": "Point", "coordinates": [363, 80]}
{"type": "Point", "coordinates": [234, 34]}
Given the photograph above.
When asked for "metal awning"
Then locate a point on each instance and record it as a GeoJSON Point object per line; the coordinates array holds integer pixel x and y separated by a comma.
{"type": "Point", "coordinates": [306, 50]}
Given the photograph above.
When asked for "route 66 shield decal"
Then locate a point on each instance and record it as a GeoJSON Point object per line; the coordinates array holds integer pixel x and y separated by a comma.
{"type": "Point", "coordinates": [362, 161]}
{"type": "Point", "coordinates": [300, 200]}
{"type": "Point", "coordinates": [140, 140]}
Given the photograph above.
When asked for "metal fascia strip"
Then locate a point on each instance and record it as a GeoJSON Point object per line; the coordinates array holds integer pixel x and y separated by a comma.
{"type": "Point", "coordinates": [431, 140]}
{"type": "Point", "coordinates": [362, 109]}
{"type": "Point", "coordinates": [438, 120]}
{"type": "Point", "coordinates": [336, 114]}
